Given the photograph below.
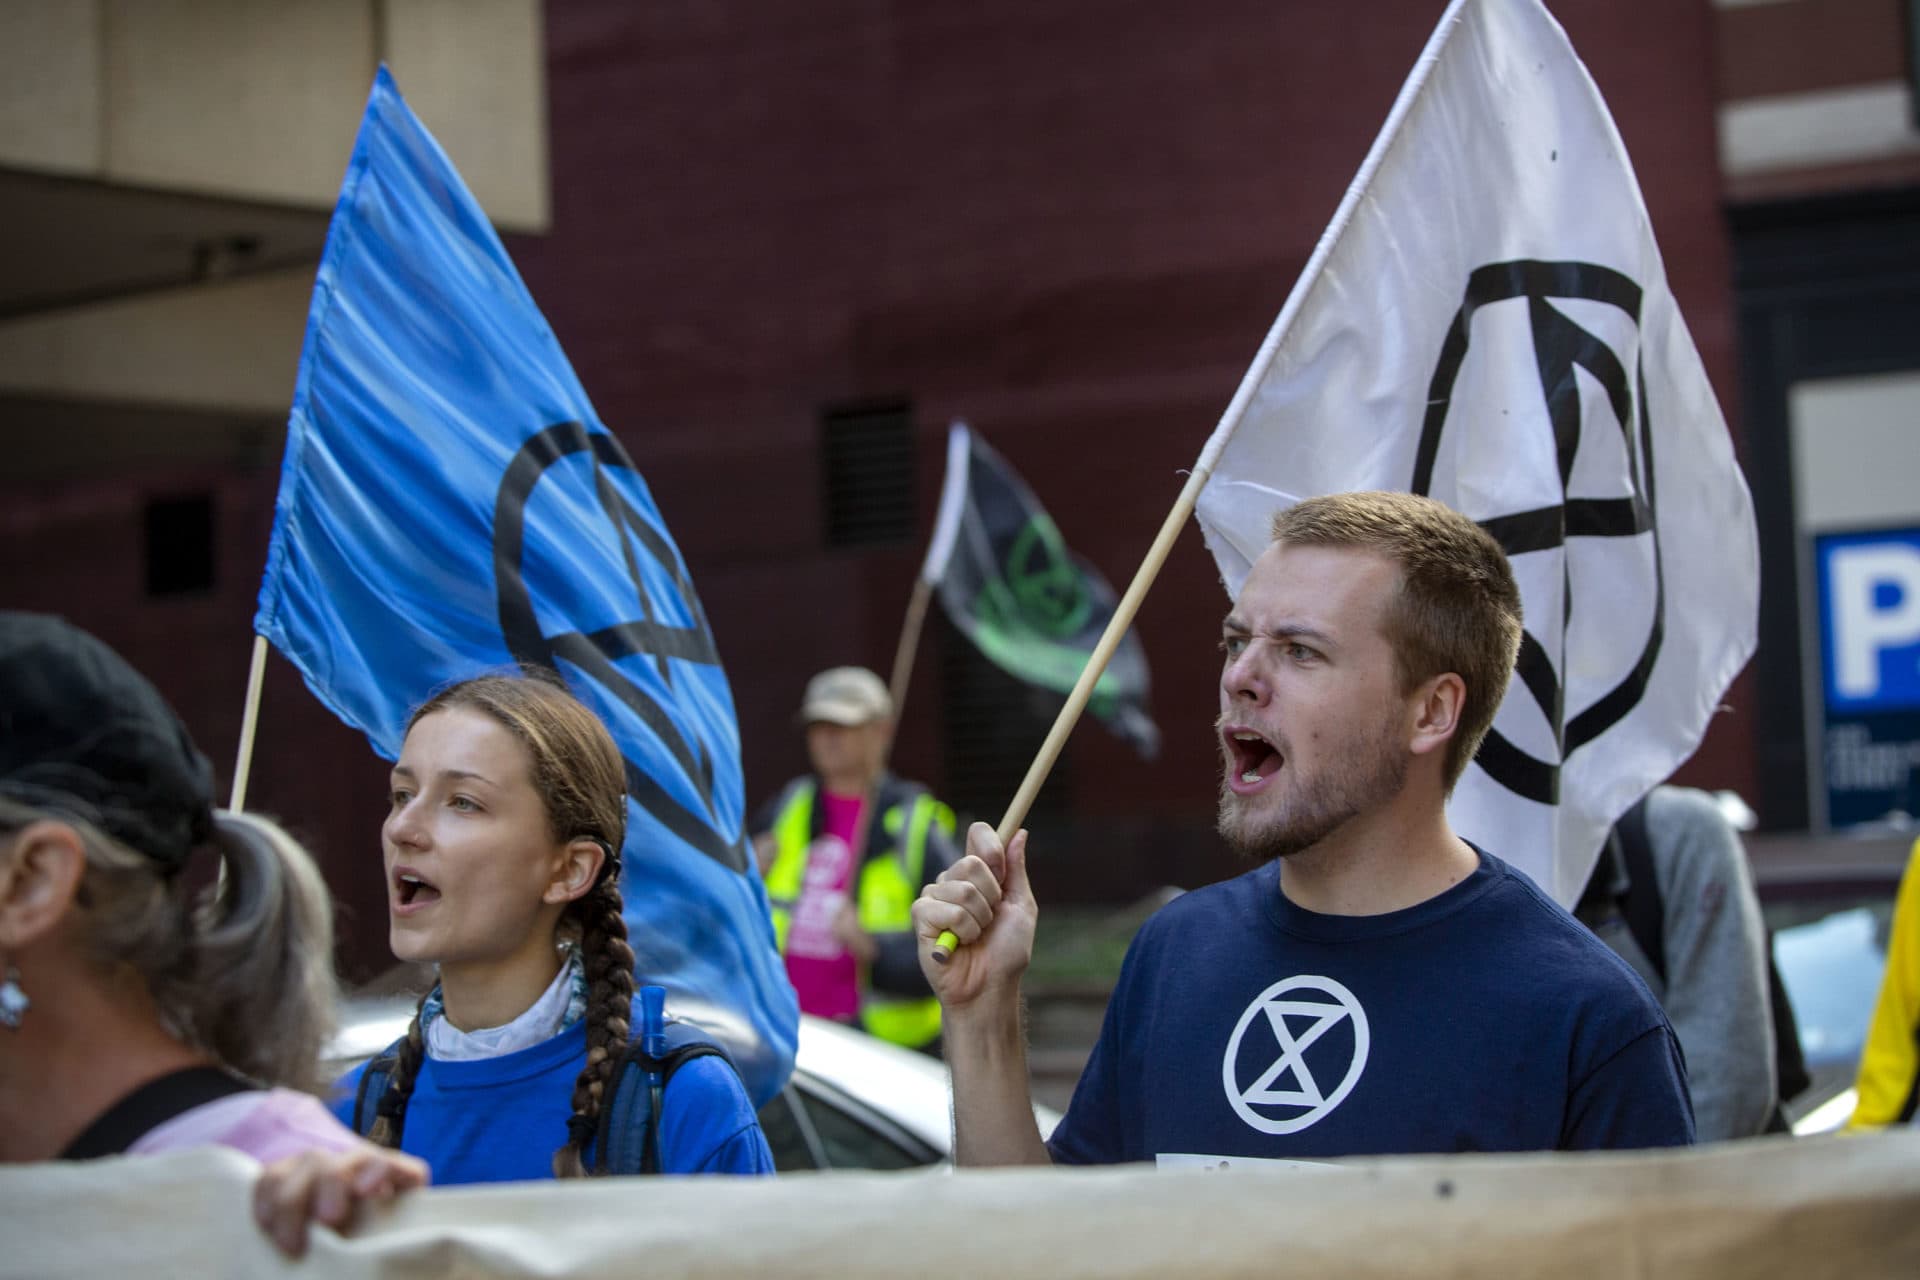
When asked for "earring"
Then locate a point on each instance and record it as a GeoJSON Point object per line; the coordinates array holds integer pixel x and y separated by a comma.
{"type": "Point", "coordinates": [13, 1001]}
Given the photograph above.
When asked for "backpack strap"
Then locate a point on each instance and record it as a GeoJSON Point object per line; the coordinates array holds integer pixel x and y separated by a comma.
{"type": "Point", "coordinates": [373, 1087]}
{"type": "Point", "coordinates": [1646, 914]}
{"type": "Point", "coordinates": [1790, 1062]}
{"type": "Point", "coordinates": [151, 1105]}
{"type": "Point", "coordinates": [628, 1141]}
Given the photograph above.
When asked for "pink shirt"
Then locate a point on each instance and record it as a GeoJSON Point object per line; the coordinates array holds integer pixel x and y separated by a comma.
{"type": "Point", "coordinates": [267, 1124]}
{"type": "Point", "coordinates": [824, 973]}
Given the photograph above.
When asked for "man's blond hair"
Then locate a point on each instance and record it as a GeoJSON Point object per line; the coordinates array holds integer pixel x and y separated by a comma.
{"type": "Point", "coordinates": [1457, 608]}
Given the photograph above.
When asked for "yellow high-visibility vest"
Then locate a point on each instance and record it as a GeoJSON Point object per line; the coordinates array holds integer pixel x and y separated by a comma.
{"type": "Point", "coordinates": [889, 879]}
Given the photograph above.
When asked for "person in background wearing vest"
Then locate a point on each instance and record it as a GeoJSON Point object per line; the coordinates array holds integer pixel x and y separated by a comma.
{"type": "Point", "coordinates": [845, 924]}
{"type": "Point", "coordinates": [1889, 1081]}
{"type": "Point", "coordinates": [1672, 895]}
{"type": "Point", "coordinates": [506, 815]}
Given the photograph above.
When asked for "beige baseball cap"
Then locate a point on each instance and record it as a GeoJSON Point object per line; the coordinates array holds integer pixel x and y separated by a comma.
{"type": "Point", "coordinates": [845, 696]}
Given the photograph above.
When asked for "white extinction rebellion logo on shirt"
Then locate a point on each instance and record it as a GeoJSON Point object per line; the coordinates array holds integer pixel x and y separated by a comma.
{"type": "Point", "coordinates": [1284, 1093]}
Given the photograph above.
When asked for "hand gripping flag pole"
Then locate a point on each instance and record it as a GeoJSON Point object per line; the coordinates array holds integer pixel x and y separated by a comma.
{"type": "Point", "coordinates": [1183, 506]}
{"type": "Point", "coordinates": [987, 518]}
{"type": "Point", "coordinates": [1103, 652]}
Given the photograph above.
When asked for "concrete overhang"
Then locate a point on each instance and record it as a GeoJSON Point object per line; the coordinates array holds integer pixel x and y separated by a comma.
{"type": "Point", "coordinates": [154, 144]}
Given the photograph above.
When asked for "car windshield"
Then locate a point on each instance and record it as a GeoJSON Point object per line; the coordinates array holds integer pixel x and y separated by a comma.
{"type": "Point", "coordinates": [1832, 968]}
{"type": "Point", "coordinates": [1830, 947]}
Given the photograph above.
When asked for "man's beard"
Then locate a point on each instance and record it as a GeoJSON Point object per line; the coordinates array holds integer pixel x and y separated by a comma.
{"type": "Point", "coordinates": [1363, 776]}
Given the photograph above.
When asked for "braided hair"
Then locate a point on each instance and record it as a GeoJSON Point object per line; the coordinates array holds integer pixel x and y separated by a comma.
{"type": "Point", "coordinates": [581, 778]}
{"type": "Point", "coordinates": [392, 1115]}
{"type": "Point", "coordinates": [608, 962]}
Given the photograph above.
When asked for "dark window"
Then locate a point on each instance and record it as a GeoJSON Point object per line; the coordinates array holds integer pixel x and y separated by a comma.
{"type": "Point", "coordinates": [790, 1134]}
{"type": "Point", "coordinates": [848, 1142]}
{"type": "Point", "coordinates": [867, 469]}
{"type": "Point", "coordinates": [180, 545]}
{"type": "Point", "coordinates": [815, 1126]}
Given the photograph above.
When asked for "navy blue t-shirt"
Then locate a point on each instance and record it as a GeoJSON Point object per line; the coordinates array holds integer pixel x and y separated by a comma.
{"type": "Point", "coordinates": [1484, 1019]}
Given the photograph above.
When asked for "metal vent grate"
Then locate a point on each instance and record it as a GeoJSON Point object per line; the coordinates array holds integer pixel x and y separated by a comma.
{"type": "Point", "coordinates": [867, 466]}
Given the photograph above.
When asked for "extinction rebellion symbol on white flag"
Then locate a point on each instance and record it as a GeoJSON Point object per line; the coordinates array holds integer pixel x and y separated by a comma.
{"type": "Point", "coordinates": [1487, 321]}
{"type": "Point", "coordinates": [1563, 350]}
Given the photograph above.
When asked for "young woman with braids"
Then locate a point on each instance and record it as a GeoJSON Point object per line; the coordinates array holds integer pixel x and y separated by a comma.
{"type": "Point", "coordinates": [508, 809]}
{"type": "Point", "coordinates": [138, 1016]}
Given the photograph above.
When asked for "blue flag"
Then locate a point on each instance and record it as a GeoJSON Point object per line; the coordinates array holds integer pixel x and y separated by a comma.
{"type": "Point", "coordinates": [451, 504]}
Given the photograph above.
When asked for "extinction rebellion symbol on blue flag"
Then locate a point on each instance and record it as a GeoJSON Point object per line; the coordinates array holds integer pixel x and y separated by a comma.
{"type": "Point", "coordinates": [597, 654]}
{"type": "Point", "coordinates": [1560, 347]}
{"type": "Point", "coordinates": [451, 504]}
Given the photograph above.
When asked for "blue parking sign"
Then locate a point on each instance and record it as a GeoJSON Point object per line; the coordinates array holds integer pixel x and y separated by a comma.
{"type": "Point", "coordinates": [1870, 619]}
{"type": "Point", "coordinates": [1870, 673]}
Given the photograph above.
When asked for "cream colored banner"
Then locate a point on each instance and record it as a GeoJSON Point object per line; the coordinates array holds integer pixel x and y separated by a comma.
{"type": "Point", "coordinates": [1834, 1206]}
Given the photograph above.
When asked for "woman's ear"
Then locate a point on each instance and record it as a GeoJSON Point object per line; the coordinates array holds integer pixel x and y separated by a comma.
{"type": "Point", "coordinates": [577, 872]}
{"type": "Point", "coordinates": [39, 880]}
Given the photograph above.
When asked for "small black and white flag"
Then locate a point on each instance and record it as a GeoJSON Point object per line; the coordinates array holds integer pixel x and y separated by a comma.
{"type": "Point", "coordinates": [1487, 321]}
{"type": "Point", "coordinates": [1008, 580]}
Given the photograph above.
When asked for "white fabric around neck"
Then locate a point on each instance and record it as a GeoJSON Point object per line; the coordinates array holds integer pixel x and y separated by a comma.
{"type": "Point", "coordinates": [544, 1019]}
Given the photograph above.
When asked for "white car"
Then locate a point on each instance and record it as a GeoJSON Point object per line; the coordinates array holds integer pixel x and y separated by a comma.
{"type": "Point", "coordinates": [854, 1102]}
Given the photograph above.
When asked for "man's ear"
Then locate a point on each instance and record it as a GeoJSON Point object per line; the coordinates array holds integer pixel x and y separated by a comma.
{"type": "Point", "coordinates": [577, 871]}
{"type": "Point", "coordinates": [1436, 706]}
{"type": "Point", "coordinates": [39, 879]}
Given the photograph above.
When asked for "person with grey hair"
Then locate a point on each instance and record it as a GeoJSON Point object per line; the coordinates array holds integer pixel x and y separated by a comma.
{"type": "Point", "coordinates": [138, 1016]}
{"type": "Point", "coordinates": [844, 851]}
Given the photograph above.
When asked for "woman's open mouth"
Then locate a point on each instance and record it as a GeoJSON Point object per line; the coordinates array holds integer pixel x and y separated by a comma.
{"type": "Point", "coordinates": [412, 891]}
{"type": "Point", "coordinates": [1250, 760]}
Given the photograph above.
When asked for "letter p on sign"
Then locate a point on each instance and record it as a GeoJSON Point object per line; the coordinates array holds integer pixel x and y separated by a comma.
{"type": "Point", "coordinates": [1875, 606]}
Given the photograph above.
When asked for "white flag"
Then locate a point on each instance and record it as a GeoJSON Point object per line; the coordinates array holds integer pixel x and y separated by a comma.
{"type": "Point", "coordinates": [1487, 321]}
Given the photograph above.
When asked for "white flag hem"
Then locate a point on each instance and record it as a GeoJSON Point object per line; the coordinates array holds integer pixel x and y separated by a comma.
{"type": "Point", "coordinates": [953, 504]}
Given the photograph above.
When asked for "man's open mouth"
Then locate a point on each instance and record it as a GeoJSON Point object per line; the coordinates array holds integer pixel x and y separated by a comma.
{"type": "Point", "coordinates": [1251, 759]}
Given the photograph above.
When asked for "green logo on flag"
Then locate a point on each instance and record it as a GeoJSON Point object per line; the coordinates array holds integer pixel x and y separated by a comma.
{"type": "Point", "coordinates": [1008, 581]}
{"type": "Point", "coordinates": [1049, 593]}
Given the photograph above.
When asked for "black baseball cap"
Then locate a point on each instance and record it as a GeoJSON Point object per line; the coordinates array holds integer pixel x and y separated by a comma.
{"type": "Point", "coordinates": [84, 734]}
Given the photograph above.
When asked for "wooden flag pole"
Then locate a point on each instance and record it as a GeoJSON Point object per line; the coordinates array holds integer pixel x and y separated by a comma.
{"type": "Point", "coordinates": [945, 524]}
{"type": "Point", "coordinates": [1357, 192]}
{"type": "Point", "coordinates": [904, 653]}
{"type": "Point", "coordinates": [249, 723]}
{"type": "Point", "coordinates": [1096, 666]}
